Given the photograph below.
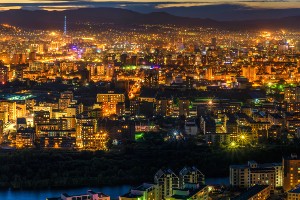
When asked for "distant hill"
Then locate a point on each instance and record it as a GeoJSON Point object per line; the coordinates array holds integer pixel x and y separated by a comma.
{"type": "Point", "coordinates": [40, 19]}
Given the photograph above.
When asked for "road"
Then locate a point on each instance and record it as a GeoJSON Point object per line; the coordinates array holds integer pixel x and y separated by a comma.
{"type": "Point", "coordinates": [8, 128]}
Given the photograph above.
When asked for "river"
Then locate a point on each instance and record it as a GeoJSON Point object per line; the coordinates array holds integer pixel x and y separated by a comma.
{"type": "Point", "coordinates": [114, 191]}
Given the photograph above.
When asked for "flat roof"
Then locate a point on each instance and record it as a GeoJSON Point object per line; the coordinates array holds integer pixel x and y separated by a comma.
{"type": "Point", "coordinates": [130, 195]}
{"type": "Point", "coordinates": [144, 187]}
{"type": "Point", "coordinates": [262, 170]}
{"type": "Point", "coordinates": [192, 192]}
{"type": "Point", "coordinates": [296, 190]}
{"type": "Point", "coordinates": [251, 192]}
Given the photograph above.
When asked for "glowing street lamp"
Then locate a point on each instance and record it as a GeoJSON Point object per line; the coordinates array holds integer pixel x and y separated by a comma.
{"type": "Point", "coordinates": [233, 144]}
{"type": "Point", "coordinates": [243, 138]}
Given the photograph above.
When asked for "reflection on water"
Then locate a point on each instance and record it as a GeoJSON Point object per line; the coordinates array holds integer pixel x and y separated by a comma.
{"type": "Point", "coordinates": [114, 192]}
{"type": "Point", "coordinates": [217, 181]}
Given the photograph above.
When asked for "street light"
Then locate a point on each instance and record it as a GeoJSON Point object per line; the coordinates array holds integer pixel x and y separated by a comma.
{"type": "Point", "coordinates": [233, 144]}
{"type": "Point", "coordinates": [243, 138]}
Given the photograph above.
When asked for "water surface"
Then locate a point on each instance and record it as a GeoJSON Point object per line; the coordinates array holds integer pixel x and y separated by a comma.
{"type": "Point", "coordinates": [114, 192]}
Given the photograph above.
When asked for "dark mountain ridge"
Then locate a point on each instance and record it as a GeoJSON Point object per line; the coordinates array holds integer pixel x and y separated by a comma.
{"type": "Point", "coordinates": [40, 19]}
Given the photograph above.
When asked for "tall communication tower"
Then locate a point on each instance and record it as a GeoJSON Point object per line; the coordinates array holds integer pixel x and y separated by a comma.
{"type": "Point", "coordinates": [65, 26]}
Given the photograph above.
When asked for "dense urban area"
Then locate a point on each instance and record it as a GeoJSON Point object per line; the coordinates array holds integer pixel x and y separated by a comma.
{"type": "Point", "coordinates": [162, 107]}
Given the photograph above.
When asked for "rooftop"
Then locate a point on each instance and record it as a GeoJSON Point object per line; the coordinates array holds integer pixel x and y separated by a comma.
{"type": "Point", "coordinates": [144, 187]}
{"type": "Point", "coordinates": [130, 195]}
{"type": "Point", "coordinates": [296, 190]}
{"type": "Point", "coordinates": [251, 192]}
{"type": "Point", "coordinates": [189, 193]}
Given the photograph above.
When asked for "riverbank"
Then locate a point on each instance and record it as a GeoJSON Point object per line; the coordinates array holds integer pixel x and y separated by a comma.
{"type": "Point", "coordinates": [134, 164]}
{"type": "Point", "coordinates": [113, 191]}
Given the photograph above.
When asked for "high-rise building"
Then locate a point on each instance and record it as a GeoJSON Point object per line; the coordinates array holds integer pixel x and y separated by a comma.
{"type": "Point", "coordinates": [63, 103]}
{"type": "Point", "coordinates": [41, 117]}
{"type": "Point", "coordinates": [1, 127]}
{"type": "Point", "coordinates": [190, 175]}
{"type": "Point", "coordinates": [292, 94]}
{"type": "Point", "coordinates": [164, 106]}
{"type": "Point", "coordinates": [167, 180]}
{"type": "Point", "coordinates": [249, 72]}
{"type": "Point", "coordinates": [268, 69]}
{"type": "Point", "coordinates": [86, 127]}
{"type": "Point", "coordinates": [74, 109]}
{"type": "Point", "coordinates": [291, 172]}
{"type": "Point", "coordinates": [151, 78]}
{"type": "Point", "coordinates": [19, 58]}
{"type": "Point", "coordinates": [3, 74]}
{"type": "Point", "coordinates": [209, 73]}
{"type": "Point", "coordinates": [4, 116]}
{"type": "Point", "coordinates": [134, 107]}
{"type": "Point", "coordinates": [25, 137]}
{"type": "Point", "coordinates": [43, 107]}
{"type": "Point", "coordinates": [184, 107]}
{"type": "Point", "coordinates": [92, 140]}
{"type": "Point", "coordinates": [65, 26]}
{"type": "Point", "coordinates": [245, 176]}
{"type": "Point", "coordinates": [110, 101]}
{"type": "Point", "coordinates": [87, 135]}
{"type": "Point", "coordinates": [11, 108]}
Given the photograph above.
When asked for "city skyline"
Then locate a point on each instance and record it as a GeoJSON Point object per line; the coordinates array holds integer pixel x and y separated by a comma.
{"type": "Point", "coordinates": [169, 100]}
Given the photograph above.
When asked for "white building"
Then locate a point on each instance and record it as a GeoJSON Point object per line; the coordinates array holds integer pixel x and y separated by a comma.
{"type": "Point", "coordinates": [252, 173]}
{"type": "Point", "coordinates": [167, 180]}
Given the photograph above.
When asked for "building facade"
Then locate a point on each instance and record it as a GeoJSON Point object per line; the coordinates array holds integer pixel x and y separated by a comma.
{"type": "Point", "coordinates": [246, 176]}
{"type": "Point", "coordinates": [145, 191]}
{"type": "Point", "coordinates": [167, 180]}
{"type": "Point", "coordinates": [291, 172]}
